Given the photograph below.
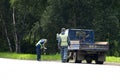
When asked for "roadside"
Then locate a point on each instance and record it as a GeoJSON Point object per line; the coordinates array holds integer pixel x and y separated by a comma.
{"type": "Point", "coordinates": [54, 58]}
{"type": "Point", "coordinates": [105, 63]}
{"type": "Point", "coordinates": [112, 63]}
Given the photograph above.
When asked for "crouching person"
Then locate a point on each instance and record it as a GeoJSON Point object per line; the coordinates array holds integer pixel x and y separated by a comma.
{"type": "Point", "coordinates": [39, 46]}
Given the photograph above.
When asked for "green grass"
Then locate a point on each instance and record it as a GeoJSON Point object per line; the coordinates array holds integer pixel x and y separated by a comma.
{"type": "Point", "coordinates": [51, 57]}
{"type": "Point", "coordinates": [17, 56]}
{"type": "Point", "coordinates": [55, 57]}
{"type": "Point", "coordinates": [113, 59]}
{"type": "Point", "coordinates": [28, 56]}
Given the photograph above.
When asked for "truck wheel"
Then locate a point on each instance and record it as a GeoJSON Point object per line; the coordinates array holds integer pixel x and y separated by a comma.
{"type": "Point", "coordinates": [68, 60]}
{"type": "Point", "coordinates": [88, 59]}
{"type": "Point", "coordinates": [99, 62]}
{"type": "Point", "coordinates": [78, 61]}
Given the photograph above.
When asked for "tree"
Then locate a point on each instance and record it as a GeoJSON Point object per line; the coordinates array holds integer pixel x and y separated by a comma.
{"type": "Point", "coordinates": [24, 24]}
{"type": "Point", "coordinates": [5, 13]}
{"type": "Point", "coordinates": [24, 18]}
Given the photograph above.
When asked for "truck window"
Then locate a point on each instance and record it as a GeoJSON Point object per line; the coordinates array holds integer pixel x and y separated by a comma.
{"type": "Point", "coordinates": [86, 36]}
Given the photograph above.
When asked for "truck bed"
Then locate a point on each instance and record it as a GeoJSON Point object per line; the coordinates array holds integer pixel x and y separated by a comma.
{"type": "Point", "coordinates": [97, 46]}
{"type": "Point", "coordinates": [94, 47]}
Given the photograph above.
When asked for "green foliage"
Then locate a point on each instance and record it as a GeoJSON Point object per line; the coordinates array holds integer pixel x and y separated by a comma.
{"type": "Point", "coordinates": [12, 2]}
{"type": "Point", "coordinates": [116, 49]}
{"type": "Point", "coordinates": [36, 19]}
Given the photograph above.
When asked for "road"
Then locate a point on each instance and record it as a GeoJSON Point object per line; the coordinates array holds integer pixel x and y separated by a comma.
{"type": "Point", "coordinates": [11, 69]}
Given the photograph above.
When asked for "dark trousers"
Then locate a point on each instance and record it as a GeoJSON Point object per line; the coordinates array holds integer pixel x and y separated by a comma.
{"type": "Point", "coordinates": [38, 52]}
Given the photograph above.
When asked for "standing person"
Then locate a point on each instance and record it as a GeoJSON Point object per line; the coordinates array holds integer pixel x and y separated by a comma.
{"type": "Point", "coordinates": [63, 43]}
{"type": "Point", "coordinates": [39, 46]}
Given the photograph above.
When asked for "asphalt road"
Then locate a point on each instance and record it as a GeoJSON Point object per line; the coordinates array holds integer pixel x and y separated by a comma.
{"type": "Point", "coordinates": [48, 70]}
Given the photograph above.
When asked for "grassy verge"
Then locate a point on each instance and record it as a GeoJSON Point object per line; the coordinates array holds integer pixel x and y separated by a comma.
{"type": "Point", "coordinates": [113, 59]}
{"type": "Point", "coordinates": [17, 56]}
{"type": "Point", "coordinates": [28, 56]}
{"type": "Point", "coordinates": [46, 57]}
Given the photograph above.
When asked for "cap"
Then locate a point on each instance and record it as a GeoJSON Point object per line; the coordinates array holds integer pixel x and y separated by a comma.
{"type": "Point", "coordinates": [63, 29]}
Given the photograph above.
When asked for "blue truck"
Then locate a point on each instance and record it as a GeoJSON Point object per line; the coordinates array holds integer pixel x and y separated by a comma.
{"type": "Point", "coordinates": [83, 47]}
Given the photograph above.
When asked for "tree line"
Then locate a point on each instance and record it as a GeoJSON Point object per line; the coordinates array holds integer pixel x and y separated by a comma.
{"type": "Point", "coordinates": [24, 22]}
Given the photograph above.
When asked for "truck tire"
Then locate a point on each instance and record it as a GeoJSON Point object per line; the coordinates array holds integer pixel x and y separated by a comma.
{"type": "Point", "coordinates": [88, 59]}
{"type": "Point", "coordinates": [99, 62]}
{"type": "Point", "coordinates": [67, 59]}
{"type": "Point", "coordinates": [76, 55]}
{"type": "Point", "coordinates": [78, 61]}
{"type": "Point", "coordinates": [100, 58]}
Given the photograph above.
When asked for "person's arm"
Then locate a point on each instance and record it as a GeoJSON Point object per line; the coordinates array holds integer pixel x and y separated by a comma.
{"type": "Point", "coordinates": [44, 46]}
{"type": "Point", "coordinates": [68, 40]}
{"type": "Point", "coordinates": [44, 42]}
{"type": "Point", "coordinates": [59, 42]}
{"type": "Point", "coordinates": [38, 43]}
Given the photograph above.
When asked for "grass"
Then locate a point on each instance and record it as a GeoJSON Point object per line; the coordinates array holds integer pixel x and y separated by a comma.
{"type": "Point", "coordinates": [55, 57]}
{"type": "Point", "coordinates": [17, 56]}
{"type": "Point", "coordinates": [28, 56]}
{"type": "Point", "coordinates": [113, 59]}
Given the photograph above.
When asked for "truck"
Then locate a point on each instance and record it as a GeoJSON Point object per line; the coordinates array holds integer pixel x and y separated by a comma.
{"type": "Point", "coordinates": [84, 48]}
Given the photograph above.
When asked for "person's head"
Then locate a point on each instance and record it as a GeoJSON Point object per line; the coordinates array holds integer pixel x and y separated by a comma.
{"type": "Point", "coordinates": [63, 30]}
